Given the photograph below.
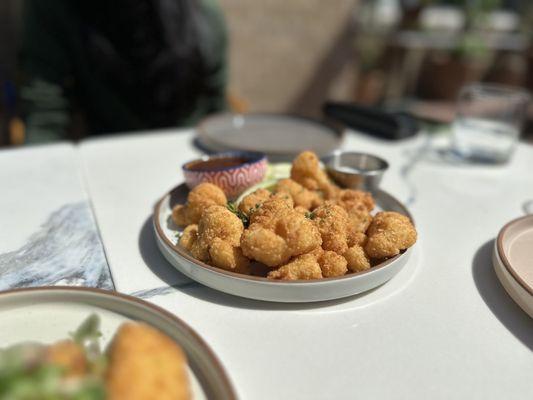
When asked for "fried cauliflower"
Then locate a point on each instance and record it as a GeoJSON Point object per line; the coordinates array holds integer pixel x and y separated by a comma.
{"type": "Point", "coordinates": [349, 199]}
{"type": "Point", "coordinates": [277, 232]}
{"type": "Point", "coordinates": [356, 259]}
{"type": "Point", "coordinates": [332, 264]}
{"type": "Point", "coordinates": [253, 201]}
{"type": "Point", "coordinates": [199, 199]}
{"type": "Point", "coordinates": [302, 267]}
{"type": "Point", "coordinates": [307, 172]}
{"type": "Point", "coordinates": [218, 238]}
{"type": "Point", "coordinates": [301, 196]}
{"type": "Point", "coordinates": [332, 223]}
{"type": "Point", "coordinates": [388, 234]}
{"type": "Point", "coordinates": [189, 237]}
{"type": "Point", "coordinates": [146, 364]}
{"type": "Point", "coordinates": [265, 246]}
{"type": "Point", "coordinates": [276, 207]}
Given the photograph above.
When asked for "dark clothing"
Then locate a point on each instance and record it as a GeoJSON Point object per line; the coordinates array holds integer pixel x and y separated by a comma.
{"type": "Point", "coordinates": [120, 65]}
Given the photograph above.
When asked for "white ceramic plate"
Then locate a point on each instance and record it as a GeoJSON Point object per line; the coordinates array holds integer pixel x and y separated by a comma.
{"type": "Point", "coordinates": [48, 314]}
{"type": "Point", "coordinates": [262, 288]}
{"type": "Point", "coordinates": [513, 252]}
{"type": "Point", "coordinates": [265, 133]}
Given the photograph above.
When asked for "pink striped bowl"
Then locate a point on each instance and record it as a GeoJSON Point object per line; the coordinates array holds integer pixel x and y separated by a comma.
{"type": "Point", "coordinates": [233, 172]}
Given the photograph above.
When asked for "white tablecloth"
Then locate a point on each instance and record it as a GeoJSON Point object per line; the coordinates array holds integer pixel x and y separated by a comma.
{"type": "Point", "coordinates": [442, 328]}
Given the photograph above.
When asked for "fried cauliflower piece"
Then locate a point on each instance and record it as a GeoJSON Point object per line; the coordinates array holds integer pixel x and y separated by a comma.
{"type": "Point", "coordinates": [189, 237]}
{"type": "Point", "coordinates": [301, 196]}
{"type": "Point", "coordinates": [332, 223]}
{"type": "Point", "coordinates": [302, 267]}
{"type": "Point", "coordinates": [145, 364]}
{"type": "Point", "coordinates": [388, 234]}
{"type": "Point", "coordinates": [359, 219]}
{"type": "Point", "coordinates": [349, 198]}
{"type": "Point", "coordinates": [276, 207]}
{"type": "Point", "coordinates": [253, 201]}
{"type": "Point", "coordinates": [300, 234]}
{"type": "Point", "coordinates": [332, 264]}
{"type": "Point", "coordinates": [68, 355]}
{"type": "Point", "coordinates": [218, 237]}
{"type": "Point", "coordinates": [355, 237]}
{"type": "Point", "coordinates": [265, 246]}
{"type": "Point", "coordinates": [277, 232]}
{"type": "Point", "coordinates": [357, 259]}
{"type": "Point", "coordinates": [199, 199]}
{"type": "Point", "coordinates": [301, 210]}
{"type": "Point", "coordinates": [307, 172]}
{"type": "Point", "coordinates": [224, 255]}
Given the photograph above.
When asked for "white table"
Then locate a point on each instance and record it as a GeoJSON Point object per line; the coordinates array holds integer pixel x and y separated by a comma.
{"type": "Point", "coordinates": [47, 231]}
{"type": "Point", "coordinates": [442, 328]}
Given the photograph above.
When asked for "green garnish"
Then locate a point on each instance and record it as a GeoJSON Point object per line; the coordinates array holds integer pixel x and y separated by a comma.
{"type": "Point", "coordinates": [242, 216]}
{"type": "Point", "coordinates": [310, 215]}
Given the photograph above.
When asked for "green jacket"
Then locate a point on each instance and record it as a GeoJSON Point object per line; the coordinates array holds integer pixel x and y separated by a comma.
{"type": "Point", "coordinates": [59, 82]}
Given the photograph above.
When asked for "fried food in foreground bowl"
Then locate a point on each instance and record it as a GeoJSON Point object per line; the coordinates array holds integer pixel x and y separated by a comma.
{"type": "Point", "coordinates": [140, 363]}
{"type": "Point", "coordinates": [145, 364]}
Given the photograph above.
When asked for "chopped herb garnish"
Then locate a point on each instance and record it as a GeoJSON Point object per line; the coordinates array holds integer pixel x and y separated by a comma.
{"type": "Point", "coordinates": [242, 216]}
{"type": "Point", "coordinates": [310, 215]}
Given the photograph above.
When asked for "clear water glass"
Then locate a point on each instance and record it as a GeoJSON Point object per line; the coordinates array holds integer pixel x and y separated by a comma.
{"type": "Point", "coordinates": [488, 122]}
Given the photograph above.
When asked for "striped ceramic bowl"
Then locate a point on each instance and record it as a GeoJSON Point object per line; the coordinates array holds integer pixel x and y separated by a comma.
{"type": "Point", "coordinates": [233, 172]}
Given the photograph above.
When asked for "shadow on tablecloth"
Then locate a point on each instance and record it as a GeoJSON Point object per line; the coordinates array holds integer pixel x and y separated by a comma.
{"type": "Point", "coordinates": [497, 299]}
{"type": "Point", "coordinates": [154, 259]}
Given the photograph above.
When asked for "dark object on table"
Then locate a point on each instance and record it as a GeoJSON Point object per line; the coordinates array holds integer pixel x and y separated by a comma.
{"type": "Point", "coordinates": [373, 121]}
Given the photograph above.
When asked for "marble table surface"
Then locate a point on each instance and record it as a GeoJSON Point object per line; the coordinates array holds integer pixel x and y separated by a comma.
{"type": "Point", "coordinates": [48, 235]}
{"type": "Point", "coordinates": [442, 328]}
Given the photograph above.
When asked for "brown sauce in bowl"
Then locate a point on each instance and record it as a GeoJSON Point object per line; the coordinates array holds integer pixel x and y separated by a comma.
{"type": "Point", "coordinates": [216, 164]}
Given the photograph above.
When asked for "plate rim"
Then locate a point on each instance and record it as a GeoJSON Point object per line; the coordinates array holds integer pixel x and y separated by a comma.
{"type": "Point", "coordinates": [503, 256]}
{"type": "Point", "coordinates": [258, 279]}
{"type": "Point", "coordinates": [336, 128]}
{"type": "Point", "coordinates": [217, 364]}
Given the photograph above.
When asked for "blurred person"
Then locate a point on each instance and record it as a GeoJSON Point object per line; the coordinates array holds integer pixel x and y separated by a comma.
{"type": "Point", "coordinates": [103, 66]}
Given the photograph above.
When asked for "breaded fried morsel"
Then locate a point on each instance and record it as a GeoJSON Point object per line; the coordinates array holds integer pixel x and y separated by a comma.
{"type": "Point", "coordinates": [277, 206]}
{"type": "Point", "coordinates": [356, 259]}
{"type": "Point", "coordinates": [277, 232]}
{"type": "Point", "coordinates": [253, 201]}
{"type": "Point", "coordinates": [355, 237]}
{"type": "Point", "coordinates": [301, 196]}
{"type": "Point", "coordinates": [332, 264]}
{"type": "Point", "coordinates": [388, 234]}
{"type": "Point", "coordinates": [332, 223]}
{"type": "Point", "coordinates": [198, 200]}
{"type": "Point", "coordinates": [68, 355]}
{"type": "Point", "coordinates": [300, 234]}
{"type": "Point", "coordinates": [142, 362]}
{"type": "Point", "coordinates": [349, 199]}
{"type": "Point", "coordinates": [218, 222]}
{"type": "Point", "coordinates": [301, 267]}
{"type": "Point", "coordinates": [224, 255]}
{"type": "Point", "coordinates": [264, 245]}
{"type": "Point", "coordinates": [189, 237]}
{"type": "Point", "coordinates": [307, 172]}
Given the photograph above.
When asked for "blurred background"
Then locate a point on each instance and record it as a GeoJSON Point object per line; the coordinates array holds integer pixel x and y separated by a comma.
{"type": "Point", "coordinates": [290, 56]}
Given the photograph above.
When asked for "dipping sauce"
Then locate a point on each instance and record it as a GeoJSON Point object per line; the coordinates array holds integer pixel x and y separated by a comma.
{"type": "Point", "coordinates": [216, 164]}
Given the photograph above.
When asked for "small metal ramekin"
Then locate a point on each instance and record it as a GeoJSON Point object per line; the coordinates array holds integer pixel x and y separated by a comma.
{"type": "Point", "coordinates": [352, 170]}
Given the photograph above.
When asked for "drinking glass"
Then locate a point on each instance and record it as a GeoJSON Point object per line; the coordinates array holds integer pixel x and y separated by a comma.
{"type": "Point", "coordinates": [488, 122]}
